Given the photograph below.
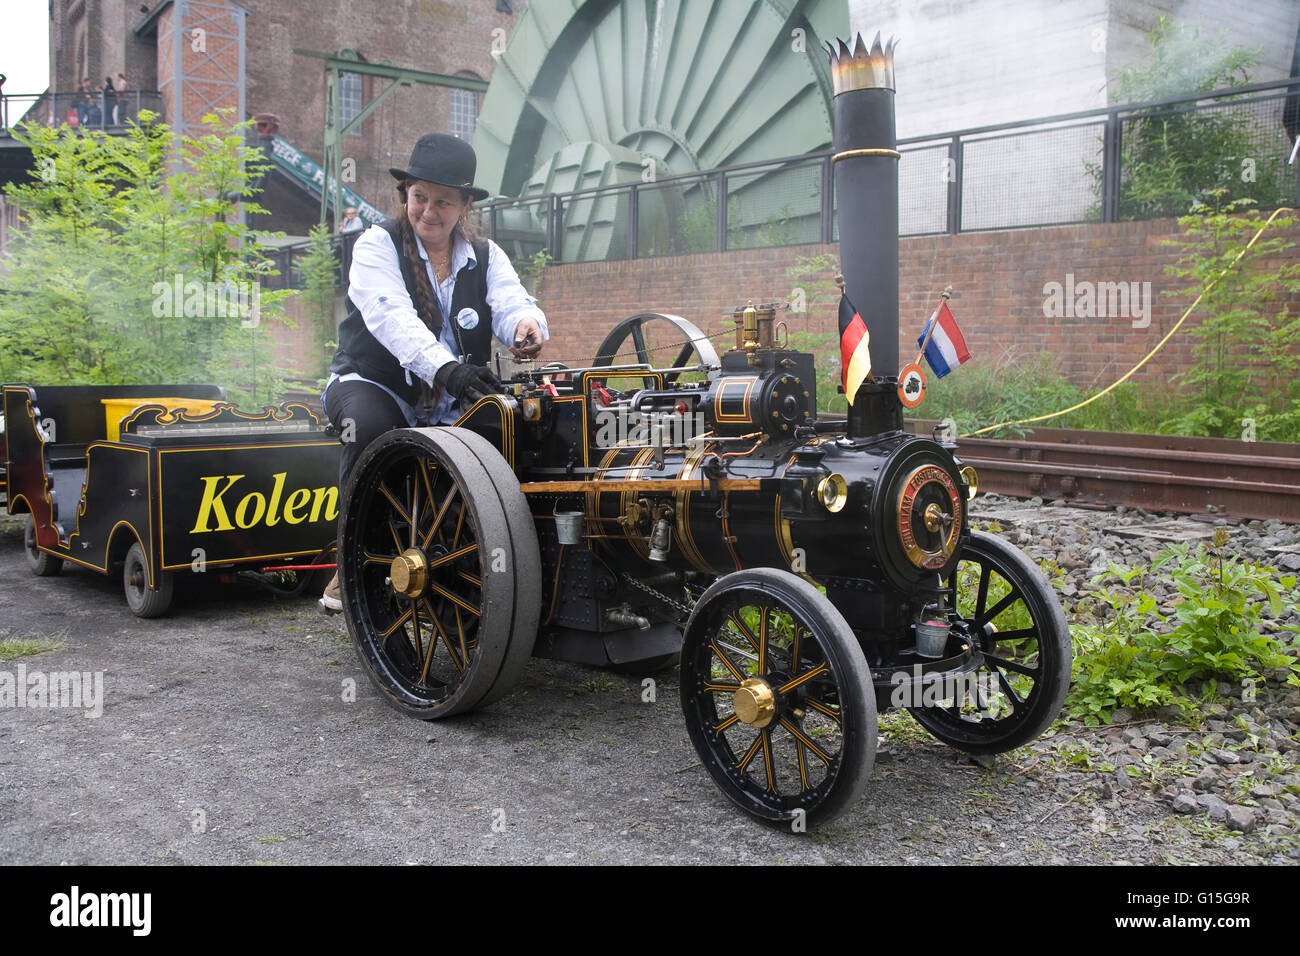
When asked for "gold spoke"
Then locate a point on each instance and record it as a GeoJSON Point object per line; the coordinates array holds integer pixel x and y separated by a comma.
{"type": "Point", "coordinates": [385, 559]}
{"type": "Point", "coordinates": [822, 708]}
{"type": "Point", "coordinates": [454, 555]}
{"type": "Point", "coordinates": [419, 645]}
{"type": "Point", "coordinates": [460, 520]}
{"type": "Point", "coordinates": [396, 540]}
{"type": "Point", "coordinates": [451, 651]}
{"type": "Point", "coordinates": [459, 602]}
{"type": "Point", "coordinates": [428, 486]}
{"type": "Point", "coordinates": [765, 736]}
{"type": "Point", "coordinates": [460, 634]}
{"type": "Point", "coordinates": [762, 641]}
{"type": "Point", "coordinates": [803, 738]}
{"type": "Point", "coordinates": [721, 688]}
{"type": "Point", "coordinates": [803, 678]}
{"type": "Point", "coordinates": [745, 631]}
{"type": "Point", "coordinates": [393, 501]}
{"type": "Point", "coordinates": [415, 509]}
{"type": "Point", "coordinates": [724, 724]}
{"type": "Point", "coordinates": [437, 519]}
{"type": "Point", "coordinates": [744, 761]}
{"type": "Point", "coordinates": [726, 661]}
{"type": "Point", "coordinates": [396, 624]}
{"type": "Point", "coordinates": [803, 764]}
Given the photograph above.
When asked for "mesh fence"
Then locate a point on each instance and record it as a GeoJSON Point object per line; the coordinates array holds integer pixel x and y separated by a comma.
{"type": "Point", "coordinates": [923, 177]}
{"type": "Point", "coordinates": [1033, 178]}
{"type": "Point", "coordinates": [1173, 157]}
{"type": "Point", "coordinates": [519, 227]}
{"type": "Point", "coordinates": [676, 218]}
{"type": "Point", "coordinates": [778, 205]}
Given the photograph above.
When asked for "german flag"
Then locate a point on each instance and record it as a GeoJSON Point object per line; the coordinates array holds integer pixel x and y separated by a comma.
{"type": "Point", "coordinates": [855, 354]}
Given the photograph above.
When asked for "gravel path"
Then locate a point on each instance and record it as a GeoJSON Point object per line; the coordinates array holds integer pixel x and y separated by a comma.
{"type": "Point", "coordinates": [229, 735]}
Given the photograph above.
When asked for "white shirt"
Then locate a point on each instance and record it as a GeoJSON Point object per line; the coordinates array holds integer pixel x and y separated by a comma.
{"type": "Point", "coordinates": [375, 285]}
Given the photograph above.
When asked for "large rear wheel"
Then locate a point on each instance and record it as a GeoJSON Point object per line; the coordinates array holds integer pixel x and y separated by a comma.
{"type": "Point", "coordinates": [440, 575]}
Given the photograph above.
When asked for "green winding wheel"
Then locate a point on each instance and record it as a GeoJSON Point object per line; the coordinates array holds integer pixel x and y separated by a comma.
{"type": "Point", "coordinates": [599, 92]}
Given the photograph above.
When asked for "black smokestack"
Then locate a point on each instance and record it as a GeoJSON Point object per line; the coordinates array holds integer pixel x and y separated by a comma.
{"type": "Point", "coordinates": [866, 188]}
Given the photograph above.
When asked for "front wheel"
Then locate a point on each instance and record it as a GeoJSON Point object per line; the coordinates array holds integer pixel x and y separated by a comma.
{"type": "Point", "coordinates": [1006, 606]}
{"type": "Point", "coordinates": [777, 697]}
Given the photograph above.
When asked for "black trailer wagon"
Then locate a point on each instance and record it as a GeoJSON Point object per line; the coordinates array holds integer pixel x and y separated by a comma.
{"type": "Point", "coordinates": [160, 479]}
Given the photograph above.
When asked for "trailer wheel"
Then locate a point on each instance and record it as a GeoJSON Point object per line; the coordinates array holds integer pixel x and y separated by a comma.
{"type": "Point", "coordinates": [140, 598]}
{"type": "Point", "coordinates": [42, 563]}
{"type": "Point", "coordinates": [1007, 607]}
{"type": "Point", "coordinates": [439, 569]}
{"type": "Point", "coordinates": [777, 698]}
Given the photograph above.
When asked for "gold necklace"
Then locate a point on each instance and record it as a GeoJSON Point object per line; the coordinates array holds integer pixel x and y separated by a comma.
{"type": "Point", "coordinates": [442, 268]}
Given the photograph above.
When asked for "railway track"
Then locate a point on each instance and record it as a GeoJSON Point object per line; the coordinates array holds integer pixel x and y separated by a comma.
{"type": "Point", "coordinates": [1196, 476]}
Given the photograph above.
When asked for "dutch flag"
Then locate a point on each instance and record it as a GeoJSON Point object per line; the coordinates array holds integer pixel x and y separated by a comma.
{"type": "Point", "coordinates": [947, 347]}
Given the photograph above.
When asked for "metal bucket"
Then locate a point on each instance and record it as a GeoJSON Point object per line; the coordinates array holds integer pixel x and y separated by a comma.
{"type": "Point", "coordinates": [568, 525]}
{"type": "Point", "coordinates": [931, 638]}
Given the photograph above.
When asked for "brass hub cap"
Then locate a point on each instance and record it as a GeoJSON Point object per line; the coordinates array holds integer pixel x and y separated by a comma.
{"type": "Point", "coordinates": [409, 572]}
{"type": "Point", "coordinates": [755, 703]}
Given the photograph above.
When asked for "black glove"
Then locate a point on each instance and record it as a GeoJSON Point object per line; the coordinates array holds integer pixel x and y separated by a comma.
{"type": "Point", "coordinates": [468, 383]}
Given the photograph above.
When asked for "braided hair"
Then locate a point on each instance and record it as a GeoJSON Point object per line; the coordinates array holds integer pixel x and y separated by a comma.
{"type": "Point", "coordinates": [423, 297]}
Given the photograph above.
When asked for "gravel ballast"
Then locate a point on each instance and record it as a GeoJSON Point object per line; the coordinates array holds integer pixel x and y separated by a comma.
{"type": "Point", "coordinates": [242, 729]}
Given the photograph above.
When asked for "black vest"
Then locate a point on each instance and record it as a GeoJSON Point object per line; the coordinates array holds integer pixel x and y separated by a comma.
{"type": "Point", "coordinates": [361, 352]}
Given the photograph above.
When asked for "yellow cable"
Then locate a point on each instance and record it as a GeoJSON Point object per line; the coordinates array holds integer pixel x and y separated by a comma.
{"type": "Point", "coordinates": [1159, 345]}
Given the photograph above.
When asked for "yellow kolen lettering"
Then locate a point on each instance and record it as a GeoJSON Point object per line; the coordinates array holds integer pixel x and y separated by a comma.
{"type": "Point", "coordinates": [241, 512]}
{"type": "Point", "coordinates": [327, 498]}
{"type": "Point", "coordinates": [272, 519]}
{"type": "Point", "coordinates": [212, 506]}
{"type": "Point", "coordinates": [297, 499]}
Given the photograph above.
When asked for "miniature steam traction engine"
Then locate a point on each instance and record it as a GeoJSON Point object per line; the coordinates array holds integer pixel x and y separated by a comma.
{"type": "Point", "coordinates": [810, 573]}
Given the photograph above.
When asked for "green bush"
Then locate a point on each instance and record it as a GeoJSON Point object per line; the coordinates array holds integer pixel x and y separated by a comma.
{"type": "Point", "coordinates": [108, 228]}
{"type": "Point", "coordinates": [1247, 343]}
{"type": "Point", "coordinates": [1129, 654]}
{"type": "Point", "coordinates": [1172, 158]}
{"type": "Point", "coordinates": [1017, 387]}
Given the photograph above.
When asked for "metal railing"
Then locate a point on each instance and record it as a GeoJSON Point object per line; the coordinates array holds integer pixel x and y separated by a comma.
{"type": "Point", "coordinates": [288, 262]}
{"type": "Point", "coordinates": [95, 110]}
{"type": "Point", "coordinates": [1135, 161]}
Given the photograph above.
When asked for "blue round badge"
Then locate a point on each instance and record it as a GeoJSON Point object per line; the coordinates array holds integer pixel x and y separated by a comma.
{"type": "Point", "coordinates": [467, 318]}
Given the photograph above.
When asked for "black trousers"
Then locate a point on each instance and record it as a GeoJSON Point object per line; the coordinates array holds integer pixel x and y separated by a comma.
{"type": "Point", "coordinates": [362, 412]}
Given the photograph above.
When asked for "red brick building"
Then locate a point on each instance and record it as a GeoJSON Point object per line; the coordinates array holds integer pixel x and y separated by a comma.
{"type": "Point", "coordinates": [202, 55]}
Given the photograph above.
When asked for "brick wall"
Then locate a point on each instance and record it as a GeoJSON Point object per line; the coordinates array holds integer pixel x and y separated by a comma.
{"type": "Point", "coordinates": [438, 36]}
{"type": "Point", "coordinates": [997, 277]}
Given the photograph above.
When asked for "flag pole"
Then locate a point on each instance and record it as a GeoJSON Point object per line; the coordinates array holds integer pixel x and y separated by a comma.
{"type": "Point", "coordinates": [945, 295]}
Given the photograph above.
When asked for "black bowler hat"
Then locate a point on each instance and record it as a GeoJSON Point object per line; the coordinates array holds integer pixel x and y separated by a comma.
{"type": "Point", "coordinates": [444, 161]}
